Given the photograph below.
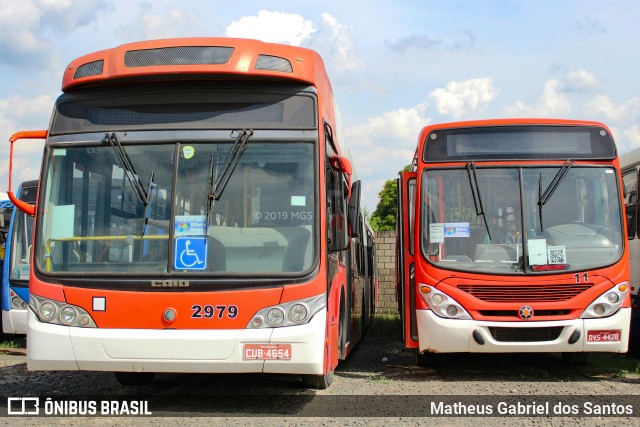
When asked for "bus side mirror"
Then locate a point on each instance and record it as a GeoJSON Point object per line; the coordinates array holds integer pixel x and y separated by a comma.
{"type": "Point", "coordinates": [354, 210]}
{"type": "Point", "coordinates": [32, 134]}
{"type": "Point", "coordinates": [341, 164]}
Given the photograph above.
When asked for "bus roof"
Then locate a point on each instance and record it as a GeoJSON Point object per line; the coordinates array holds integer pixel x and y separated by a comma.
{"type": "Point", "coordinates": [515, 139]}
{"type": "Point", "coordinates": [193, 59]}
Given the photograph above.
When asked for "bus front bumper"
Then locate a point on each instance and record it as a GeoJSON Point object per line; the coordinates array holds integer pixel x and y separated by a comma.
{"type": "Point", "coordinates": [56, 347]}
{"type": "Point", "coordinates": [14, 321]}
{"type": "Point", "coordinates": [436, 334]}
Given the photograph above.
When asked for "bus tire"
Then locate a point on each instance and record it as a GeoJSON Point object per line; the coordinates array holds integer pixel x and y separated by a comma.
{"type": "Point", "coordinates": [575, 358]}
{"type": "Point", "coordinates": [134, 378]}
{"type": "Point", "coordinates": [423, 359]}
{"type": "Point", "coordinates": [318, 382]}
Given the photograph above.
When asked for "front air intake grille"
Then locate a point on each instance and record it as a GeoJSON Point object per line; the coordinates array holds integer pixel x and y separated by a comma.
{"type": "Point", "coordinates": [525, 334]}
{"type": "Point", "coordinates": [89, 69]}
{"type": "Point", "coordinates": [526, 293]}
{"type": "Point", "coordinates": [180, 55]}
{"type": "Point", "coordinates": [515, 313]}
{"type": "Point", "coordinates": [273, 63]}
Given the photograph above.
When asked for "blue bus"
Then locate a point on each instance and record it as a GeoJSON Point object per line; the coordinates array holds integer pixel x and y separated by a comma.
{"type": "Point", "coordinates": [16, 261]}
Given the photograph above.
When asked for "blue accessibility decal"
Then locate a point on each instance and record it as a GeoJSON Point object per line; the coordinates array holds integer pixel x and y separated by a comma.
{"type": "Point", "coordinates": [191, 253]}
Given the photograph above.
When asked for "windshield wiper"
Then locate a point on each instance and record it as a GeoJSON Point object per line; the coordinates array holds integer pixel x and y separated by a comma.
{"type": "Point", "coordinates": [475, 192]}
{"type": "Point", "coordinates": [147, 206]}
{"type": "Point", "coordinates": [216, 188]}
{"type": "Point", "coordinates": [553, 186]}
{"type": "Point", "coordinates": [127, 167]}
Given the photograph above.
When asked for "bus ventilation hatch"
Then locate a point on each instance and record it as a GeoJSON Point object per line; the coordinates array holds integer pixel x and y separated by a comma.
{"type": "Point", "coordinates": [273, 63]}
{"type": "Point", "coordinates": [89, 69]}
{"type": "Point", "coordinates": [180, 55]}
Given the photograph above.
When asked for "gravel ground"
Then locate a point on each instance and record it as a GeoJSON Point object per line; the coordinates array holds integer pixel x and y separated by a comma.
{"type": "Point", "coordinates": [378, 378]}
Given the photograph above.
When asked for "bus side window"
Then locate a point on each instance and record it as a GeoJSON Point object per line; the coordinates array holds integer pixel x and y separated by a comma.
{"type": "Point", "coordinates": [630, 180]}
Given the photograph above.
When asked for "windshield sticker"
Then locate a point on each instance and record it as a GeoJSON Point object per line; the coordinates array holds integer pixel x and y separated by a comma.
{"type": "Point", "coordinates": [188, 151]}
{"type": "Point", "coordinates": [537, 249]}
{"type": "Point", "coordinates": [60, 152]}
{"type": "Point", "coordinates": [436, 233]}
{"type": "Point", "coordinates": [190, 225]}
{"type": "Point", "coordinates": [557, 255]}
{"type": "Point", "coordinates": [63, 217]}
{"type": "Point", "coordinates": [191, 253]}
{"type": "Point", "coordinates": [298, 201]}
{"type": "Point", "coordinates": [456, 229]}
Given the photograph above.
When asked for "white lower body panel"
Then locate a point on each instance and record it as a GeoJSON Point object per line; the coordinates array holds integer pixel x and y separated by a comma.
{"type": "Point", "coordinates": [440, 335]}
{"type": "Point", "coordinates": [56, 347]}
{"type": "Point", "coordinates": [14, 321]}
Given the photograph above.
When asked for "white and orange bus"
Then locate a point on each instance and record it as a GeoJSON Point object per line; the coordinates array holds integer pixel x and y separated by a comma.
{"type": "Point", "coordinates": [197, 213]}
{"type": "Point", "coordinates": [512, 239]}
{"type": "Point", "coordinates": [630, 164]}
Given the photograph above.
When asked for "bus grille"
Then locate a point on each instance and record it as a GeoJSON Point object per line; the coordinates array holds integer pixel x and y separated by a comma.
{"type": "Point", "coordinates": [525, 334]}
{"type": "Point", "coordinates": [526, 293]}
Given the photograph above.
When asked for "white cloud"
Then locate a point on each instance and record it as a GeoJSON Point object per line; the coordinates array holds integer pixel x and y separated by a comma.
{"type": "Point", "coordinates": [631, 139]}
{"type": "Point", "coordinates": [173, 22]}
{"type": "Point", "coordinates": [603, 107]}
{"type": "Point", "coordinates": [336, 36]}
{"type": "Point", "coordinates": [383, 146]}
{"type": "Point", "coordinates": [460, 97]}
{"type": "Point", "coordinates": [25, 26]}
{"type": "Point", "coordinates": [552, 103]}
{"type": "Point", "coordinates": [19, 113]}
{"type": "Point", "coordinates": [580, 81]}
{"type": "Point", "coordinates": [273, 27]}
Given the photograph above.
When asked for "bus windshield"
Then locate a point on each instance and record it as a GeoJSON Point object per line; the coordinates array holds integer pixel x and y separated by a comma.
{"type": "Point", "coordinates": [144, 208]}
{"type": "Point", "coordinates": [578, 227]}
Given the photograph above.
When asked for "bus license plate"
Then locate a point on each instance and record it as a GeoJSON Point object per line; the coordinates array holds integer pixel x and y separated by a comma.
{"type": "Point", "coordinates": [603, 336]}
{"type": "Point", "coordinates": [266, 352]}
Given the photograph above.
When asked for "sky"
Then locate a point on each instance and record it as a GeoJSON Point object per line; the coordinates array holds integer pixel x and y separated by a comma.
{"type": "Point", "coordinates": [395, 65]}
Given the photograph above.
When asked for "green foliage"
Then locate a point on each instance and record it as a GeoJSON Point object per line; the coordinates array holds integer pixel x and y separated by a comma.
{"type": "Point", "coordinates": [384, 217]}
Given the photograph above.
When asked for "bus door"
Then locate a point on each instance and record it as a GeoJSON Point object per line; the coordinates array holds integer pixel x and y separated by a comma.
{"type": "Point", "coordinates": [405, 290]}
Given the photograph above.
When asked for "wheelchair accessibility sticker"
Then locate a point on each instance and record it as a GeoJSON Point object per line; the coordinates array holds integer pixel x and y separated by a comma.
{"type": "Point", "coordinates": [191, 253]}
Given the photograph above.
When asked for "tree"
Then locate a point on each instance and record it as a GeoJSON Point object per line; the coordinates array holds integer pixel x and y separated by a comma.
{"type": "Point", "coordinates": [384, 217]}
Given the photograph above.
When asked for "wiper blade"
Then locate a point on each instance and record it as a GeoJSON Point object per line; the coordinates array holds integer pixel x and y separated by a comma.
{"type": "Point", "coordinates": [540, 197]}
{"type": "Point", "coordinates": [147, 207]}
{"type": "Point", "coordinates": [475, 192]}
{"type": "Point", "coordinates": [230, 163]}
{"type": "Point", "coordinates": [216, 188]}
{"type": "Point", "coordinates": [127, 167]}
{"type": "Point", "coordinates": [210, 193]}
{"type": "Point", "coordinates": [555, 182]}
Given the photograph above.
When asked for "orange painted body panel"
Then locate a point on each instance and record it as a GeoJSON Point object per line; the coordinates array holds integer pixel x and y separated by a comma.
{"type": "Point", "coordinates": [306, 63]}
{"type": "Point", "coordinates": [144, 310]}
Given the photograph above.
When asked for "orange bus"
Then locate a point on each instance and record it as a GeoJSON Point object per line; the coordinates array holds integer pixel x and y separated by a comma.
{"type": "Point", "coordinates": [198, 213]}
{"type": "Point", "coordinates": [511, 238]}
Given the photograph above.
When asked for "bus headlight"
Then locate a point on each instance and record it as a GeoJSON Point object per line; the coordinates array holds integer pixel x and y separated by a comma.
{"type": "Point", "coordinates": [47, 311]}
{"type": "Point", "coordinates": [442, 304]}
{"type": "Point", "coordinates": [275, 316]}
{"type": "Point", "coordinates": [60, 313]}
{"type": "Point", "coordinates": [68, 315]}
{"type": "Point", "coordinates": [608, 303]}
{"type": "Point", "coordinates": [18, 304]}
{"type": "Point", "coordinates": [298, 312]}
{"type": "Point", "coordinates": [288, 314]}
